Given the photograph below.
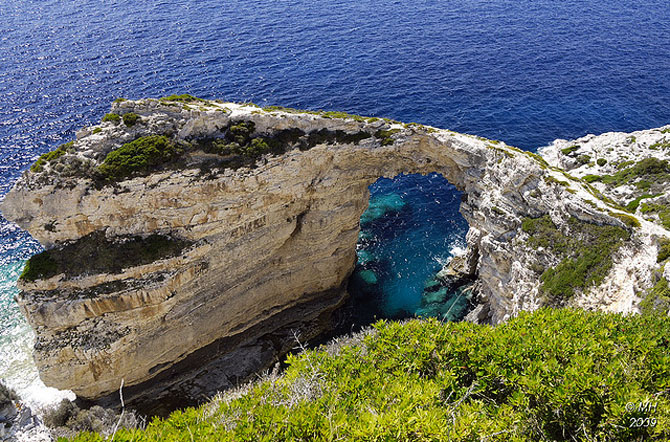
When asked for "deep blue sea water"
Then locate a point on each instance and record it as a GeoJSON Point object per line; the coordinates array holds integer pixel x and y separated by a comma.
{"type": "Point", "coordinates": [524, 71]}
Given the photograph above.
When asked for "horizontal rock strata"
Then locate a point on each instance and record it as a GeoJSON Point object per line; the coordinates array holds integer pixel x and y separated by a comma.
{"type": "Point", "coordinates": [252, 216]}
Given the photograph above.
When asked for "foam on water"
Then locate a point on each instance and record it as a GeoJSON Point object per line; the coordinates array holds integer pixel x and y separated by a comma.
{"type": "Point", "coordinates": [17, 369]}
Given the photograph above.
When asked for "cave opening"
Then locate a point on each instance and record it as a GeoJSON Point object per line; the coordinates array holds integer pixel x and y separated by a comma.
{"type": "Point", "coordinates": [409, 232]}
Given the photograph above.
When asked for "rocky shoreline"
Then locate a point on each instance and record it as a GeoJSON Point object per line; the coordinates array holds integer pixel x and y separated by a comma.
{"type": "Point", "coordinates": [250, 218]}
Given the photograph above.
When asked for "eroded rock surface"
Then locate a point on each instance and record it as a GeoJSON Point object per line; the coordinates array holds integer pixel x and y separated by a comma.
{"type": "Point", "coordinates": [266, 245]}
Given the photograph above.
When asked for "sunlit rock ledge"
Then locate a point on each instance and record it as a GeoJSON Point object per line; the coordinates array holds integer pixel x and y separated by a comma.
{"type": "Point", "coordinates": [182, 265]}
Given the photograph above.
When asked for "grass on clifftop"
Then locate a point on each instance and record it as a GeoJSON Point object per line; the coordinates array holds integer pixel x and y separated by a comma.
{"type": "Point", "coordinates": [586, 253]}
{"type": "Point", "coordinates": [551, 375]}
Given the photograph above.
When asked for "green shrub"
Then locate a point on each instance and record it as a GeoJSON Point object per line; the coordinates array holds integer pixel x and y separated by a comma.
{"type": "Point", "coordinates": [660, 210]}
{"type": "Point", "coordinates": [48, 157]}
{"type": "Point", "coordinates": [40, 266]}
{"type": "Point", "coordinates": [633, 205]}
{"type": "Point", "coordinates": [657, 299]}
{"type": "Point", "coordinates": [543, 233]}
{"type": "Point", "coordinates": [241, 132]}
{"type": "Point", "coordinates": [386, 136]}
{"type": "Point", "coordinates": [130, 119]}
{"type": "Point", "coordinates": [112, 118]}
{"type": "Point", "coordinates": [326, 114]}
{"type": "Point", "coordinates": [97, 130]}
{"type": "Point", "coordinates": [592, 178]}
{"type": "Point", "coordinates": [628, 220]}
{"type": "Point", "coordinates": [646, 171]}
{"type": "Point", "coordinates": [583, 159]}
{"type": "Point", "coordinates": [601, 161]}
{"type": "Point", "coordinates": [550, 375]}
{"type": "Point", "coordinates": [142, 156]}
{"type": "Point", "coordinates": [624, 164]}
{"type": "Point", "coordinates": [550, 179]}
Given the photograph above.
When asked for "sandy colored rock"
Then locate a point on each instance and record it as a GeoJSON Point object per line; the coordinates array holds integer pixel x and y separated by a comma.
{"type": "Point", "coordinates": [271, 246]}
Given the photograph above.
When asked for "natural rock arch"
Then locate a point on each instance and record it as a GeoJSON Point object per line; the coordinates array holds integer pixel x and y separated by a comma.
{"type": "Point", "coordinates": [266, 250]}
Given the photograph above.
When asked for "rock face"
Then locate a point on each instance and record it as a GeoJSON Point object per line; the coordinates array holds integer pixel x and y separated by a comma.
{"type": "Point", "coordinates": [265, 248]}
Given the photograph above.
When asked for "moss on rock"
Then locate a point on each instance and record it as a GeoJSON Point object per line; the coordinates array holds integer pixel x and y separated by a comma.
{"type": "Point", "coordinates": [94, 253]}
{"type": "Point", "coordinates": [48, 157]}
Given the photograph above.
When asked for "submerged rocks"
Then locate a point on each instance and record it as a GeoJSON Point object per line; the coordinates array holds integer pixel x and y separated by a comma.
{"type": "Point", "coordinates": [265, 205]}
{"type": "Point", "coordinates": [451, 293]}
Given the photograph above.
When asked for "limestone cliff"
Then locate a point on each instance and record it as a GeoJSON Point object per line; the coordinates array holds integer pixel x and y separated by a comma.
{"type": "Point", "coordinates": [187, 272]}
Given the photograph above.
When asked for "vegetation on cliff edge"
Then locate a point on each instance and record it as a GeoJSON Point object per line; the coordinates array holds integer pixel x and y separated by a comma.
{"type": "Point", "coordinates": [48, 157]}
{"type": "Point", "coordinates": [549, 375]}
{"type": "Point", "coordinates": [586, 252]}
{"type": "Point", "coordinates": [141, 156]}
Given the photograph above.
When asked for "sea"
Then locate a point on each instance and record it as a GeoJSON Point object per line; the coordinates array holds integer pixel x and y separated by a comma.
{"type": "Point", "coordinates": [522, 71]}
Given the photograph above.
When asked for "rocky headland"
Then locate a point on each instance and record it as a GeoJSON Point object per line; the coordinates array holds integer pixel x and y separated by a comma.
{"type": "Point", "coordinates": [187, 241]}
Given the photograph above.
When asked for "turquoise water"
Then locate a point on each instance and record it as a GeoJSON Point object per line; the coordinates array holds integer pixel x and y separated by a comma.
{"type": "Point", "coordinates": [409, 231]}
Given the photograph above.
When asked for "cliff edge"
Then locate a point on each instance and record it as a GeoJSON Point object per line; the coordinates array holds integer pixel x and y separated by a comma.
{"type": "Point", "coordinates": [186, 240]}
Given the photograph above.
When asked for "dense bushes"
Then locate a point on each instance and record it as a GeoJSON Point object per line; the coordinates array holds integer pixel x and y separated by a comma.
{"type": "Point", "coordinates": [544, 376]}
{"type": "Point", "coordinates": [111, 118]}
{"type": "Point", "coordinates": [183, 98]}
{"type": "Point", "coordinates": [642, 174]}
{"type": "Point", "coordinates": [67, 419]}
{"type": "Point", "coordinates": [586, 251]}
{"type": "Point", "coordinates": [657, 299]}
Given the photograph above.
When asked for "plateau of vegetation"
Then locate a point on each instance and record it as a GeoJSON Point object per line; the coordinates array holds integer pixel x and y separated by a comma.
{"type": "Point", "coordinates": [643, 174]}
{"type": "Point", "coordinates": [238, 146]}
{"type": "Point", "coordinates": [586, 250]}
{"type": "Point", "coordinates": [663, 250]}
{"type": "Point", "coordinates": [570, 150]}
{"type": "Point", "coordinates": [182, 98]}
{"type": "Point", "coordinates": [94, 253]}
{"type": "Point", "coordinates": [662, 211]}
{"type": "Point", "coordinates": [326, 114]}
{"type": "Point", "coordinates": [550, 375]}
{"type": "Point", "coordinates": [386, 136]}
